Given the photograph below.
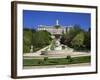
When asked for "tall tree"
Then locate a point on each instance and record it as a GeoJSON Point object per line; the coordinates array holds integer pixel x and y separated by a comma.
{"type": "Point", "coordinates": [78, 41]}
{"type": "Point", "coordinates": [41, 39]}
{"type": "Point", "coordinates": [71, 32]}
{"type": "Point", "coordinates": [87, 41]}
{"type": "Point", "coordinates": [27, 38]}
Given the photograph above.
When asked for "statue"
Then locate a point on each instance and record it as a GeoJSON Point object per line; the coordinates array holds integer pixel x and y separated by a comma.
{"type": "Point", "coordinates": [57, 22]}
{"type": "Point", "coordinates": [31, 49]}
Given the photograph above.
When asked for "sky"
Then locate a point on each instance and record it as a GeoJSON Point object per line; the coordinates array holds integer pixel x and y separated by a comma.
{"type": "Point", "coordinates": [31, 19]}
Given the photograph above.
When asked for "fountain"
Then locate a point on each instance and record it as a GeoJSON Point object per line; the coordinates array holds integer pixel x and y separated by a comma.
{"type": "Point", "coordinates": [55, 44]}
{"type": "Point", "coordinates": [58, 45]}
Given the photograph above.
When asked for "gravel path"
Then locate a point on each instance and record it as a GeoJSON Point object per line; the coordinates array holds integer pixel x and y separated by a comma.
{"type": "Point", "coordinates": [72, 54]}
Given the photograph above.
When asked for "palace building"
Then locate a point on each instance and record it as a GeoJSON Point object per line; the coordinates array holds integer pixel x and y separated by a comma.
{"type": "Point", "coordinates": [56, 29]}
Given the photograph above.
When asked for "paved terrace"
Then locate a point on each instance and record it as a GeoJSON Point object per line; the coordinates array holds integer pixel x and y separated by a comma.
{"type": "Point", "coordinates": [56, 54]}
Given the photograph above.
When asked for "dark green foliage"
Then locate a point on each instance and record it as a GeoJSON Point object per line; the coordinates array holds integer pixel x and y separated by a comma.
{"type": "Point", "coordinates": [70, 34]}
{"type": "Point", "coordinates": [63, 40]}
{"type": "Point", "coordinates": [87, 40]}
{"type": "Point", "coordinates": [38, 39]}
{"type": "Point", "coordinates": [78, 41]}
{"type": "Point", "coordinates": [26, 48]}
{"type": "Point", "coordinates": [69, 58]}
{"type": "Point", "coordinates": [41, 39]}
{"type": "Point", "coordinates": [45, 58]}
{"type": "Point", "coordinates": [27, 39]}
{"type": "Point", "coordinates": [77, 38]}
{"type": "Point", "coordinates": [40, 62]}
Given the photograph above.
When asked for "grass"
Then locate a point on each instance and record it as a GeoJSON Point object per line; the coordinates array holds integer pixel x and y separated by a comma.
{"type": "Point", "coordinates": [56, 61]}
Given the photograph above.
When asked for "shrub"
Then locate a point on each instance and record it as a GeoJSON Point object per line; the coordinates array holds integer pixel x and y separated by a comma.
{"type": "Point", "coordinates": [40, 62]}
{"type": "Point", "coordinates": [45, 58]}
{"type": "Point", "coordinates": [69, 58]}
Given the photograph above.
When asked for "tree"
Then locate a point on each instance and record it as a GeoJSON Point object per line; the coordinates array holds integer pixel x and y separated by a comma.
{"type": "Point", "coordinates": [78, 41]}
{"type": "Point", "coordinates": [70, 34]}
{"type": "Point", "coordinates": [27, 38]}
{"type": "Point", "coordinates": [38, 39]}
{"type": "Point", "coordinates": [87, 41]}
{"type": "Point", "coordinates": [41, 39]}
{"type": "Point", "coordinates": [77, 38]}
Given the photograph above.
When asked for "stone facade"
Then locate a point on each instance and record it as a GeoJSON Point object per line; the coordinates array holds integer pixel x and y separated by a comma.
{"type": "Point", "coordinates": [52, 29]}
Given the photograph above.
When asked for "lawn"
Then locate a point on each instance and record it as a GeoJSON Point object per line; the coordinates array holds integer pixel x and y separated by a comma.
{"type": "Point", "coordinates": [56, 61]}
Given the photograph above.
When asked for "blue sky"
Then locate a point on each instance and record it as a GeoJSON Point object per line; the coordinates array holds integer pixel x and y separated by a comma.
{"type": "Point", "coordinates": [31, 18]}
